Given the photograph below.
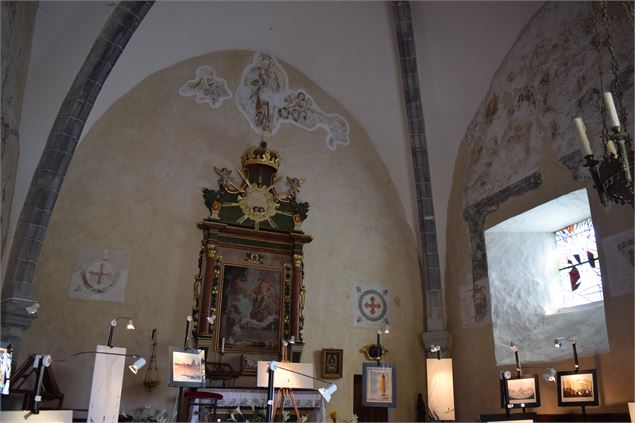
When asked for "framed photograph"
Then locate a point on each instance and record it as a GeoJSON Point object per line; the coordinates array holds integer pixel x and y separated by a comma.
{"type": "Point", "coordinates": [187, 367]}
{"type": "Point", "coordinates": [332, 363]}
{"type": "Point", "coordinates": [379, 385]}
{"type": "Point", "coordinates": [251, 309]}
{"type": "Point", "coordinates": [577, 388]}
{"type": "Point", "coordinates": [249, 363]}
{"type": "Point", "coordinates": [523, 391]}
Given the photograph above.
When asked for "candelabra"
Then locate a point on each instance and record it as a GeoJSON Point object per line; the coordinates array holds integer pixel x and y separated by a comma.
{"type": "Point", "coordinates": [611, 173]}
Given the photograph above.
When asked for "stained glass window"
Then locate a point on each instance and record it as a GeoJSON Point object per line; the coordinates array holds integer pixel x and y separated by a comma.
{"type": "Point", "coordinates": [580, 277]}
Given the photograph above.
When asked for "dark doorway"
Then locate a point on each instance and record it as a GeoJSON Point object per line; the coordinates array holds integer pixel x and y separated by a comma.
{"type": "Point", "coordinates": [366, 414]}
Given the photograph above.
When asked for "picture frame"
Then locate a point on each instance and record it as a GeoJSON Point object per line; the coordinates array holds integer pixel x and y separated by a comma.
{"type": "Point", "coordinates": [577, 388]}
{"type": "Point", "coordinates": [379, 385]}
{"type": "Point", "coordinates": [187, 367]}
{"type": "Point", "coordinates": [251, 309]}
{"type": "Point", "coordinates": [332, 363]}
{"type": "Point", "coordinates": [249, 363]}
{"type": "Point", "coordinates": [522, 392]}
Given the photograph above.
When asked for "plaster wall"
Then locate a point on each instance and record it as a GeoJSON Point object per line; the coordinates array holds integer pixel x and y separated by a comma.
{"type": "Point", "coordinates": [135, 184]}
{"type": "Point", "coordinates": [347, 48]}
{"type": "Point", "coordinates": [331, 41]}
{"type": "Point", "coordinates": [450, 38]}
{"type": "Point", "coordinates": [523, 132]}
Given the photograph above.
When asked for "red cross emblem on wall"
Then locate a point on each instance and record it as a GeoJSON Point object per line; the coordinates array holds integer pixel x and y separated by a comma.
{"type": "Point", "coordinates": [372, 305]}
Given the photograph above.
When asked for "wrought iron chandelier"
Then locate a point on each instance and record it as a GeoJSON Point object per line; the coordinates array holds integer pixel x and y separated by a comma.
{"type": "Point", "coordinates": [612, 172]}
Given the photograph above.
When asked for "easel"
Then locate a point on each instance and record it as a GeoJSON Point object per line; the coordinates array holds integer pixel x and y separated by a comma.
{"type": "Point", "coordinates": [284, 393]}
{"type": "Point", "coordinates": [43, 377]}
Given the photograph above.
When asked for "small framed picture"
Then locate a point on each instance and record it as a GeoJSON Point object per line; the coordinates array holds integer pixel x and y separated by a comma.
{"type": "Point", "coordinates": [187, 367]}
{"type": "Point", "coordinates": [332, 363]}
{"type": "Point", "coordinates": [577, 388]}
{"type": "Point", "coordinates": [249, 364]}
{"type": "Point", "coordinates": [379, 385]}
{"type": "Point", "coordinates": [520, 392]}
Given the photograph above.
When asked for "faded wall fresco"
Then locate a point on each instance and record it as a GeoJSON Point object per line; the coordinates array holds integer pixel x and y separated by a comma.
{"type": "Point", "coordinates": [550, 76]}
{"type": "Point", "coordinates": [266, 101]}
{"type": "Point", "coordinates": [521, 151]}
{"type": "Point", "coordinates": [206, 87]}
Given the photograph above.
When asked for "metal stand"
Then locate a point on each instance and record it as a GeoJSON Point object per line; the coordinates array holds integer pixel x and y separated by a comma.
{"type": "Point", "coordinates": [179, 398]}
{"type": "Point", "coordinates": [270, 370]}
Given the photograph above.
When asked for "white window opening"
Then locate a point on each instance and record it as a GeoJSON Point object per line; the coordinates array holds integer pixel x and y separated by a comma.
{"type": "Point", "coordinates": [542, 284]}
{"type": "Point", "coordinates": [580, 279]}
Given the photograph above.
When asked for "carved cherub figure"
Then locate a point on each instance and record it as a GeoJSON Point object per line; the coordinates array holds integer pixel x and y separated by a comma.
{"type": "Point", "coordinates": [223, 176]}
{"type": "Point", "coordinates": [294, 186]}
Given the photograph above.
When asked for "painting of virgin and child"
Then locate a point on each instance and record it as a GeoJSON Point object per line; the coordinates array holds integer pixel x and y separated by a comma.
{"type": "Point", "coordinates": [250, 309]}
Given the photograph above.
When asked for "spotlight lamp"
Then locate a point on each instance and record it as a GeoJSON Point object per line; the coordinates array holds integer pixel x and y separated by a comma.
{"type": "Point", "coordinates": [211, 319]}
{"type": "Point", "coordinates": [138, 364]}
{"type": "Point", "coordinates": [436, 349]}
{"type": "Point", "coordinates": [32, 308]}
{"type": "Point", "coordinates": [513, 347]}
{"type": "Point", "coordinates": [327, 392]}
{"type": "Point", "coordinates": [113, 323]}
{"type": "Point", "coordinates": [550, 376]}
{"type": "Point", "coordinates": [557, 342]}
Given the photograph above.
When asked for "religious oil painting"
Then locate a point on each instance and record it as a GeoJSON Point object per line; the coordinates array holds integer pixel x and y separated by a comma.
{"type": "Point", "coordinates": [251, 309]}
{"type": "Point", "coordinates": [379, 385]}
{"type": "Point", "coordinates": [577, 388]}
{"type": "Point", "coordinates": [332, 363]}
{"type": "Point", "coordinates": [187, 367]}
{"type": "Point", "coordinates": [522, 391]}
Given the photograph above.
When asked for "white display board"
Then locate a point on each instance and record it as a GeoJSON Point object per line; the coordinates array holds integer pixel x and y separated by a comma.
{"type": "Point", "coordinates": [105, 392]}
{"type": "Point", "coordinates": [440, 388]}
{"type": "Point", "coordinates": [285, 379]}
{"type": "Point", "coordinates": [45, 416]}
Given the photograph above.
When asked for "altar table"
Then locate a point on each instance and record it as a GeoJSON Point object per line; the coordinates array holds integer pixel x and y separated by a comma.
{"type": "Point", "coordinates": [245, 398]}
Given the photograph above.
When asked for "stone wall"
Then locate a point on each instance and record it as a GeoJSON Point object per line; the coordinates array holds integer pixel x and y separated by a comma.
{"type": "Point", "coordinates": [135, 185]}
{"type": "Point", "coordinates": [18, 20]}
{"type": "Point", "coordinates": [520, 151]}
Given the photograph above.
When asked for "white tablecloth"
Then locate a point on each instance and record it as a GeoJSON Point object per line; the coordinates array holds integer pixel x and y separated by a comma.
{"type": "Point", "coordinates": [248, 397]}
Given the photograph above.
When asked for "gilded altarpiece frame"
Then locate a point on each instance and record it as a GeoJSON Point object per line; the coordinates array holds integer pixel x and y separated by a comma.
{"type": "Point", "coordinates": [251, 261]}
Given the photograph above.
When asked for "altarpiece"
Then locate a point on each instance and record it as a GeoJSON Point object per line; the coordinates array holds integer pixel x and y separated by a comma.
{"type": "Point", "coordinates": [250, 278]}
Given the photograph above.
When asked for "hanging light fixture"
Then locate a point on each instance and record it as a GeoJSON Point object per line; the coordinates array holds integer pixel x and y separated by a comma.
{"type": "Point", "coordinates": [612, 171]}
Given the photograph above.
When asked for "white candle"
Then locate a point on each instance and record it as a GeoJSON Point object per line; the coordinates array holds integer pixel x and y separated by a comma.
{"type": "Point", "coordinates": [584, 141]}
{"type": "Point", "coordinates": [610, 145]}
{"type": "Point", "coordinates": [222, 345]}
{"type": "Point", "coordinates": [614, 122]}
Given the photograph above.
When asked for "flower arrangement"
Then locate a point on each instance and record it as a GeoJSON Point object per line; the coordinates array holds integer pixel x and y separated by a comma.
{"type": "Point", "coordinates": [333, 416]}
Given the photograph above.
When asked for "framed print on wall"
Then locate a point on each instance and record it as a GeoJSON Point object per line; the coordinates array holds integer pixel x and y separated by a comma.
{"type": "Point", "coordinates": [523, 391]}
{"type": "Point", "coordinates": [187, 367]}
{"type": "Point", "coordinates": [251, 308]}
{"type": "Point", "coordinates": [577, 388]}
{"type": "Point", "coordinates": [379, 385]}
{"type": "Point", "coordinates": [332, 363]}
{"type": "Point", "coordinates": [249, 364]}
